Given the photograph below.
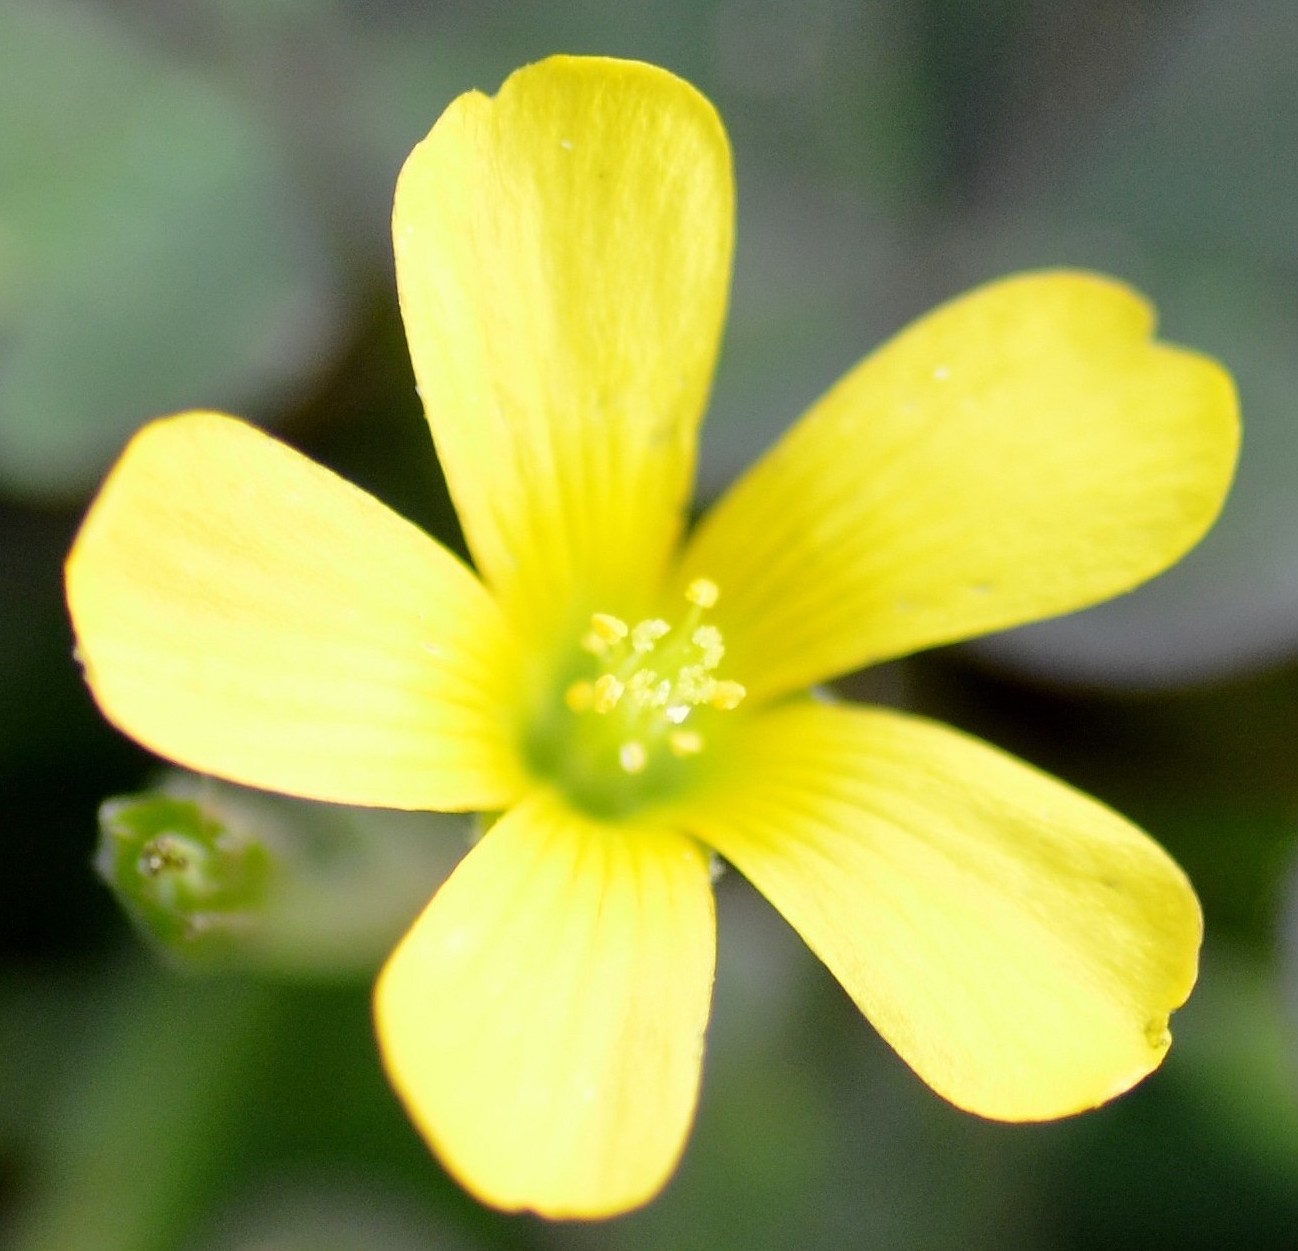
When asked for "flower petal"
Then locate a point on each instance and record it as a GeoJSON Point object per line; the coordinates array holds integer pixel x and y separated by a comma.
{"type": "Point", "coordinates": [242, 611]}
{"type": "Point", "coordinates": [563, 257]}
{"type": "Point", "coordinates": [543, 1020]}
{"type": "Point", "coordinates": [1021, 452]}
{"type": "Point", "coordinates": [1019, 944]}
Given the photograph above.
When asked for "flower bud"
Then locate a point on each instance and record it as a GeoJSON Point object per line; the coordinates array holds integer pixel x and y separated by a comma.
{"type": "Point", "coordinates": [189, 879]}
{"type": "Point", "coordinates": [216, 875]}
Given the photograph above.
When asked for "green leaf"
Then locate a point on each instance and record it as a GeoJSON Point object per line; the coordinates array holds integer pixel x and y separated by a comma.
{"type": "Point", "coordinates": [154, 253]}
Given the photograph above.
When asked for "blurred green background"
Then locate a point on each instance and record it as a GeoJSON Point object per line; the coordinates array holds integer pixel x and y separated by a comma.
{"type": "Point", "coordinates": [194, 198]}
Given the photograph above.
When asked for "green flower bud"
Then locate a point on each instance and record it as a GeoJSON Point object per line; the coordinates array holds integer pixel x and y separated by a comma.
{"type": "Point", "coordinates": [216, 875]}
{"type": "Point", "coordinates": [188, 879]}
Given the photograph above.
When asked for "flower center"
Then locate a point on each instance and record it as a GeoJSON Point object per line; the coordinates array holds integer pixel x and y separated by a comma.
{"type": "Point", "coordinates": [637, 708]}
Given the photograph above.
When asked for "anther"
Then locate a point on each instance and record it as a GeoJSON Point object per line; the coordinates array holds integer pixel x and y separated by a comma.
{"type": "Point", "coordinates": [580, 696]}
{"type": "Point", "coordinates": [641, 687]}
{"type": "Point", "coordinates": [695, 685]}
{"type": "Point", "coordinates": [708, 639]}
{"type": "Point", "coordinates": [605, 631]}
{"type": "Point", "coordinates": [727, 695]}
{"type": "Point", "coordinates": [632, 756]}
{"type": "Point", "coordinates": [658, 694]}
{"type": "Point", "coordinates": [703, 592]}
{"type": "Point", "coordinates": [610, 628]}
{"type": "Point", "coordinates": [685, 742]}
{"type": "Point", "coordinates": [650, 681]}
{"type": "Point", "coordinates": [606, 692]}
{"type": "Point", "coordinates": [646, 633]}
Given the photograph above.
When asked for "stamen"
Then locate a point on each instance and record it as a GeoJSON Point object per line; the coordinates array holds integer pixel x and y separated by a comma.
{"type": "Point", "coordinates": [641, 686]}
{"type": "Point", "coordinates": [607, 691]}
{"type": "Point", "coordinates": [708, 637]}
{"type": "Point", "coordinates": [695, 685]}
{"type": "Point", "coordinates": [658, 695]}
{"type": "Point", "coordinates": [727, 695]}
{"type": "Point", "coordinates": [649, 704]}
{"type": "Point", "coordinates": [580, 696]}
{"type": "Point", "coordinates": [647, 633]}
{"type": "Point", "coordinates": [605, 631]}
{"type": "Point", "coordinates": [685, 743]}
{"type": "Point", "coordinates": [632, 756]}
{"type": "Point", "coordinates": [702, 592]}
{"type": "Point", "coordinates": [610, 628]}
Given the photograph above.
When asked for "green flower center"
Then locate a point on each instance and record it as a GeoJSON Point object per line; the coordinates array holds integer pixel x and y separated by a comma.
{"type": "Point", "coordinates": [632, 720]}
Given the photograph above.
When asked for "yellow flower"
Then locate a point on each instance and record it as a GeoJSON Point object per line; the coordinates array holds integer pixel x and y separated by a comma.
{"type": "Point", "coordinates": [628, 701]}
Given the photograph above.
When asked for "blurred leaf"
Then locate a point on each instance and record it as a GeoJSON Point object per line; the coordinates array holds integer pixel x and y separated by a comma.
{"type": "Point", "coordinates": [838, 148]}
{"type": "Point", "coordinates": [807, 267]}
{"type": "Point", "coordinates": [146, 1112]}
{"type": "Point", "coordinates": [137, 1133]}
{"type": "Point", "coordinates": [1204, 1155]}
{"type": "Point", "coordinates": [1194, 155]}
{"type": "Point", "coordinates": [154, 254]}
{"type": "Point", "coordinates": [319, 1212]}
{"type": "Point", "coordinates": [1237, 1061]}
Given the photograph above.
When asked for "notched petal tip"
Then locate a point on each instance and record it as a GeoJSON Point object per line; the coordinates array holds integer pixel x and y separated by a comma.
{"type": "Point", "coordinates": [1031, 450]}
